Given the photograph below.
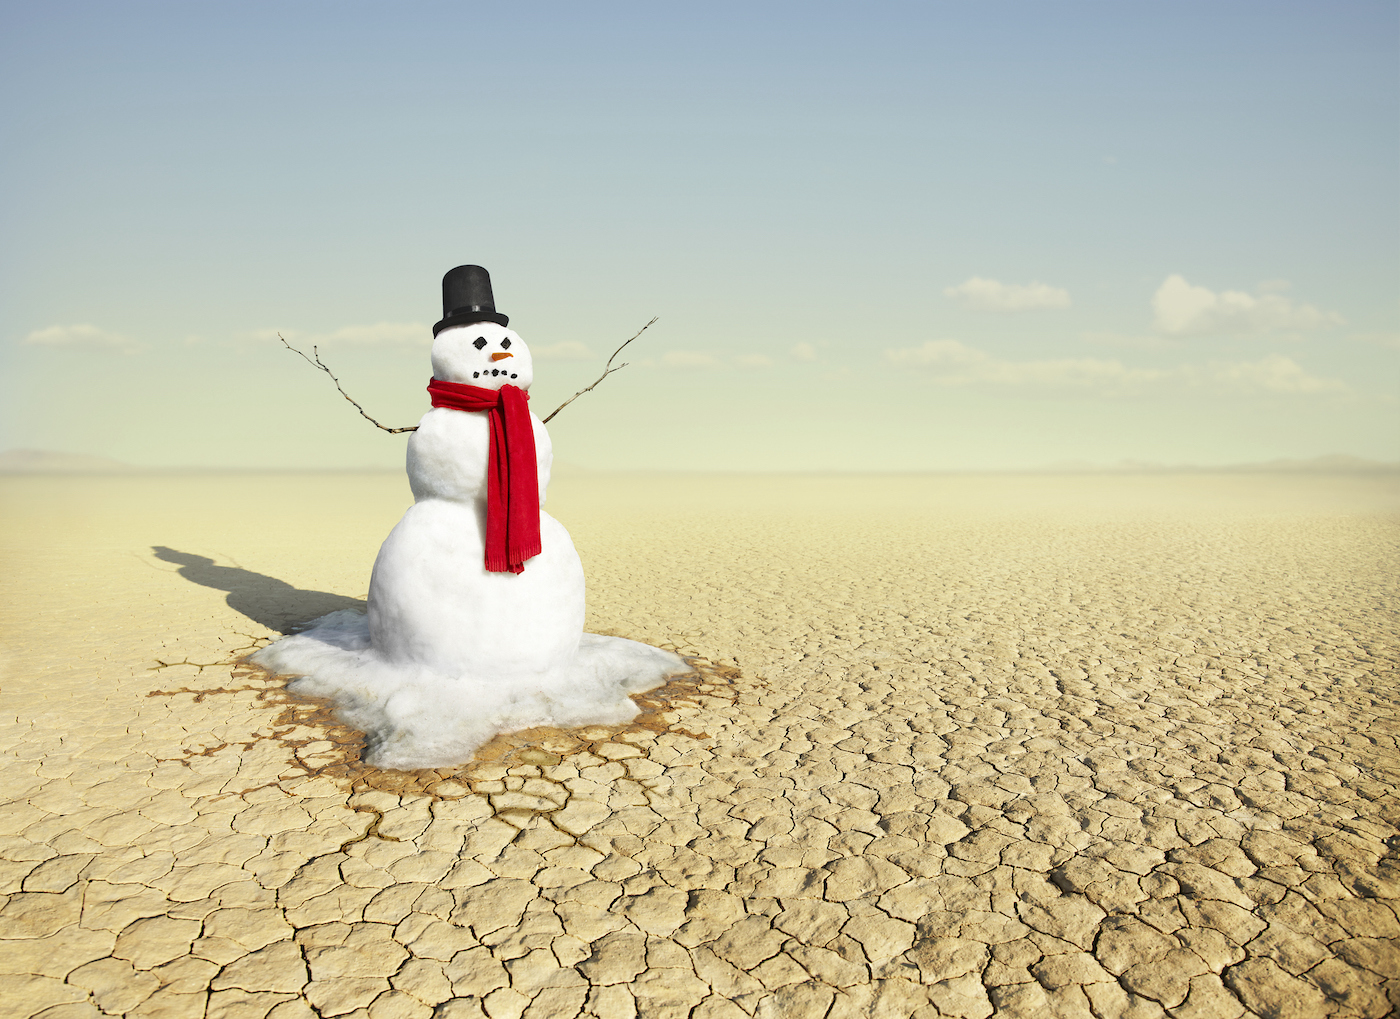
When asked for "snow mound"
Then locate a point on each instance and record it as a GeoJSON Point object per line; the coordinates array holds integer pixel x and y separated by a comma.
{"type": "Point", "coordinates": [416, 717]}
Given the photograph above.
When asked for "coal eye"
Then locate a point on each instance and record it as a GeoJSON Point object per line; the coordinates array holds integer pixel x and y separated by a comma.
{"type": "Point", "coordinates": [505, 344]}
{"type": "Point", "coordinates": [480, 342]}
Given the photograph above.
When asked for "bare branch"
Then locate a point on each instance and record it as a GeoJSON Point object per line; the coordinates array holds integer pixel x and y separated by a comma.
{"type": "Point", "coordinates": [608, 369]}
{"type": "Point", "coordinates": [315, 361]}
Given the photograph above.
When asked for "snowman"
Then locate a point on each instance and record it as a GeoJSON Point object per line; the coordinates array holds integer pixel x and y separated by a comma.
{"type": "Point", "coordinates": [476, 601]}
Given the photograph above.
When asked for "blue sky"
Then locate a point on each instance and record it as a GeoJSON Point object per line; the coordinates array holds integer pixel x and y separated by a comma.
{"type": "Point", "coordinates": [895, 237]}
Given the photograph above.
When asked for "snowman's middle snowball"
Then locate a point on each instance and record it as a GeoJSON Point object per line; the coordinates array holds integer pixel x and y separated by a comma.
{"type": "Point", "coordinates": [512, 495]}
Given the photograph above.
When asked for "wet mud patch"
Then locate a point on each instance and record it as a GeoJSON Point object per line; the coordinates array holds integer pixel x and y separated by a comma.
{"type": "Point", "coordinates": [320, 743]}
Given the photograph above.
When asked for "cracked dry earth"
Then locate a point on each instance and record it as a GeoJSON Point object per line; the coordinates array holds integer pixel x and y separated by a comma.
{"type": "Point", "coordinates": [958, 746]}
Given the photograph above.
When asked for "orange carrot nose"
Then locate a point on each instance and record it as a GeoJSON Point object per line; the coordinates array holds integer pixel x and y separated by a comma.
{"type": "Point", "coordinates": [500, 354]}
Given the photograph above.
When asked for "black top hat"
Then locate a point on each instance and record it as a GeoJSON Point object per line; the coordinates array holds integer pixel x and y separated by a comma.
{"type": "Point", "coordinates": [466, 298]}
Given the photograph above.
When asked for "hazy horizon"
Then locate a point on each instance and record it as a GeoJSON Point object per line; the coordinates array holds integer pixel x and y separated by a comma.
{"type": "Point", "coordinates": [911, 238]}
{"type": "Point", "coordinates": [21, 462]}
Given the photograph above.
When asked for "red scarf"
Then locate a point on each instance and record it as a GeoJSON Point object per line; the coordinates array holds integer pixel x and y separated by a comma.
{"type": "Point", "coordinates": [512, 478]}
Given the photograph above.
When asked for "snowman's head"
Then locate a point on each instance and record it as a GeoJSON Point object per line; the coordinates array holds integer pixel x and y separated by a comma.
{"type": "Point", "coordinates": [482, 354]}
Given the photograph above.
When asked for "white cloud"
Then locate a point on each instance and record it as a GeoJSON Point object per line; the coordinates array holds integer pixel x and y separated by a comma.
{"type": "Point", "coordinates": [394, 334]}
{"type": "Point", "coordinates": [569, 350]}
{"type": "Point", "coordinates": [81, 337]}
{"type": "Point", "coordinates": [803, 352]}
{"type": "Point", "coordinates": [689, 359]}
{"type": "Point", "coordinates": [387, 333]}
{"type": "Point", "coordinates": [1391, 340]}
{"type": "Point", "coordinates": [1181, 309]}
{"type": "Point", "coordinates": [991, 295]}
{"type": "Point", "coordinates": [1272, 374]}
{"type": "Point", "coordinates": [956, 364]}
{"type": "Point", "coordinates": [753, 360]}
{"type": "Point", "coordinates": [381, 333]}
{"type": "Point", "coordinates": [1130, 341]}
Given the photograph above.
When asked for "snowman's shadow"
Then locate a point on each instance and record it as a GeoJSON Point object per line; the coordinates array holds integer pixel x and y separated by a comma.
{"type": "Point", "coordinates": [273, 603]}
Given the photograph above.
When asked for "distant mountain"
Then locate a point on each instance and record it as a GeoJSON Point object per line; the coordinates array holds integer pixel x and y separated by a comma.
{"type": "Point", "coordinates": [1331, 463]}
{"type": "Point", "coordinates": [47, 461]}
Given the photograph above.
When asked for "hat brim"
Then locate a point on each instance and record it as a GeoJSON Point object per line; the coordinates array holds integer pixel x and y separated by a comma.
{"type": "Point", "coordinates": [466, 317]}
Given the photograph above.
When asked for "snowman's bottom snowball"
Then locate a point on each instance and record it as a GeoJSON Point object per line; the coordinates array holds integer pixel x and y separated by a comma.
{"type": "Point", "coordinates": [414, 717]}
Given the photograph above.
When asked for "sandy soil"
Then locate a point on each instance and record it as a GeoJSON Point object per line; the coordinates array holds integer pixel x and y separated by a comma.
{"type": "Point", "coordinates": [958, 746]}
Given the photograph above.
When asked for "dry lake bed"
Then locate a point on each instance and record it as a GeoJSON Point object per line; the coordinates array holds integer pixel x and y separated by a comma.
{"type": "Point", "coordinates": [1080, 746]}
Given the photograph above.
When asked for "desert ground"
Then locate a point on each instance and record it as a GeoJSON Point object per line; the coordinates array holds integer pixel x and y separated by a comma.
{"type": "Point", "coordinates": [1015, 745]}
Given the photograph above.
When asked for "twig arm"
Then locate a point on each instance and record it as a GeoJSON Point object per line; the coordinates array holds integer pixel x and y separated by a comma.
{"type": "Point", "coordinates": [315, 361]}
{"type": "Point", "coordinates": [608, 369]}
